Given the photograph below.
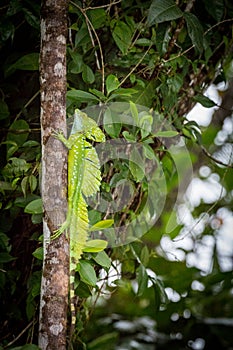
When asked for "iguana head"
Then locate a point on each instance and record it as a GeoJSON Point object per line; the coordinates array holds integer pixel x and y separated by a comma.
{"type": "Point", "coordinates": [86, 125]}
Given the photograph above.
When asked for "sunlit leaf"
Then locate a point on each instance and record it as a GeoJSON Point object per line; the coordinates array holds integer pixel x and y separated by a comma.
{"type": "Point", "coordinates": [87, 272]}
{"type": "Point", "coordinates": [38, 253]}
{"type": "Point", "coordinates": [112, 83]}
{"type": "Point", "coordinates": [102, 259]}
{"type": "Point", "coordinates": [101, 225]}
{"type": "Point", "coordinates": [167, 133]}
{"type": "Point", "coordinates": [95, 246]}
{"type": "Point", "coordinates": [34, 207]}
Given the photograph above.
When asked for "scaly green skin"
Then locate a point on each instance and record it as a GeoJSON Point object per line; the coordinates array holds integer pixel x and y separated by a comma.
{"type": "Point", "coordinates": [84, 178]}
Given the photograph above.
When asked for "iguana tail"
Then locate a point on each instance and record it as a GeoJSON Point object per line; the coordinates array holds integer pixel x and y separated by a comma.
{"type": "Point", "coordinates": [78, 238]}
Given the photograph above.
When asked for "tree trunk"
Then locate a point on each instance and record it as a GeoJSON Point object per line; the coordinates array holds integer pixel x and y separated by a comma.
{"type": "Point", "coordinates": [54, 287]}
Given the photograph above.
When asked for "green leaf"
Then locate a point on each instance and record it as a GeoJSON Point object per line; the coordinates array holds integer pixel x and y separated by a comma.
{"type": "Point", "coordinates": [144, 256]}
{"type": "Point", "coordinates": [4, 111]}
{"type": "Point", "coordinates": [32, 180]}
{"type": "Point", "coordinates": [101, 225]}
{"type": "Point", "coordinates": [80, 95]}
{"type": "Point", "coordinates": [163, 10]}
{"type": "Point", "coordinates": [7, 29]}
{"type": "Point", "coordinates": [38, 253]}
{"type": "Point", "coordinates": [102, 259]}
{"type": "Point", "coordinates": [37, 218]}
{"type": "Point", "coordinates": [21, 202]}
{"type": "Point", "coordinates": [87, 272]}
{"type": "Point", "coordinates": [97, 17]}
{"type": "Point", "coordinates": [145, 94]}
{"type": "Point", "coordinates": [128, 136]}
{"type": "Point", "coordinates": [6, 186]}
{"type": "Point", "coordinates": [27, 62]}
{"type": "Point", "coordinates": [83, 290]}
{"type": "Point", "coordinates": [5, 258]}
{"type": "Point", "coordinates": [95, 246]}
{"type": "Point", "coordinates": [76, 65]}
{"type": "Point", "coordinates": [148, 151]}
{"type": "Point", "coordinates": [24, 183]}
{"type": "Point", "coordinates": [34, 207]}
{"type": "Point", "coordinates": [99, 94]}
{"type": "Point", "coordinates": [136, 165]}
{"type": "Point", "coordinates": [167, 133]}
{"type": "Point", "coordinates": [142, 280]}
{"type": "Point", "coordinates": [105, 341]}
{"type": "Point", "coordinates": [204, 101]}
{"type": "Point", "coordinates": [15, 167]}
{"type": "Point", "coordinates": [134, 111]}
{"type": "Point", "coordinates": [31, 19]}
{"type": "Point", "coordinates": [87, 74]}
{"type": "Point", "coordinates": [215, 8]}
{"type": "Point", "coordinates": [31, 143]}
{"type": "Point", "coordinates": [145, 123]}
{"type": "Point", "coordinates": [195, 30]}
{"type": "Point", "coordinates": [18, 132]}
{"type": "Point", "coordinates": [143, 42]}
{"type": "Point", "coordinates": [122, 93]}
{"type": "Point", "coordinates": [110, 126]}
{"type": "Point", "coordinates": [122, 35]}
{"type": "Point", "coordinates": [112, 83]}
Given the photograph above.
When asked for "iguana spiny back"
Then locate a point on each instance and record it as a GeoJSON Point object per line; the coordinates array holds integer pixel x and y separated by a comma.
{"type": "Point", "coordinates": [84, 179]}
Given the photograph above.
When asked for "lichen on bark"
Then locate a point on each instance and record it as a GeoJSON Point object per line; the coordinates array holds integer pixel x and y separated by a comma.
{"type": "Point", "coordinates": [54, 288]}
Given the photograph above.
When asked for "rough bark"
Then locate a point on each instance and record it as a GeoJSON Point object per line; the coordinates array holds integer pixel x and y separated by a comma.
{"type": "Point", "coordinates": [54, 288]}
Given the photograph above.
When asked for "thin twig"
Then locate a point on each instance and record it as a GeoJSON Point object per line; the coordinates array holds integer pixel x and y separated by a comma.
{"type": "Point", "coordinates": [83, 11]}
{"type": "Point", "coordinates": [102, 6]}
{"type": "Point", "coordinates": [214, 159]}
{"type": "Point", "coordinates": [27, 104]}
{"type": "Point", "coordinates": [135, 67]}
{"type": "Point", "coordinates": [209, 210]}
{"type": "Point", "coordinates": [191, 47]}
{"type": "Point", "coordinates": [20, 334]}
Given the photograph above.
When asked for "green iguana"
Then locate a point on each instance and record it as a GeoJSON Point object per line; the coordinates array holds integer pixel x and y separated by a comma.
{"type": "Point", "coordinates": [84, 179]}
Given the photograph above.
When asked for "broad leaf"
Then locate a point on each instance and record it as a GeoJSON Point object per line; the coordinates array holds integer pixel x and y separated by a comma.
{"type": "Point", "coordinates": [112, 83]}
{"type": "Point", "coordinates": [87, 273]}
{"type": "Point", "coordinates": [142, 280]}
{"type": "Point", "coordinates": [101, 225]}
{"type": "Point", "coordinates": [27, 62]}
{"type": "Point", "coordinates": [79, 95]}
{"type": "Point", "coordinates": [122, 35]}
{"type": "Point", "coordinates": [102, 259]}
{"type": "Point", "coordinates": [4, 111]}
{"type": "Point", "coordinates": [204, 101]}
{"type": "Point", "coordinates": [95, 246]}
{"type": "Point", "coordinates": [163, 10]}
{"type": "Point", "coordinates": [34, 207]}
{"type": "Point", "coordinates": [167, 133]}
{"type": "Point", "coordinates": [38, 253]}
{"type": "Point", "coordinates": [195, 30]}
{"type": "Point", "coordinates": [18, 132]}
{"type": "Point", "coordinates": [87, 74]}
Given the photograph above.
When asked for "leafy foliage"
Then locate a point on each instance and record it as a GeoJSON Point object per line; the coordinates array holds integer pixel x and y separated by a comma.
{"type": "Point", "coordinates": [156, 54]}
